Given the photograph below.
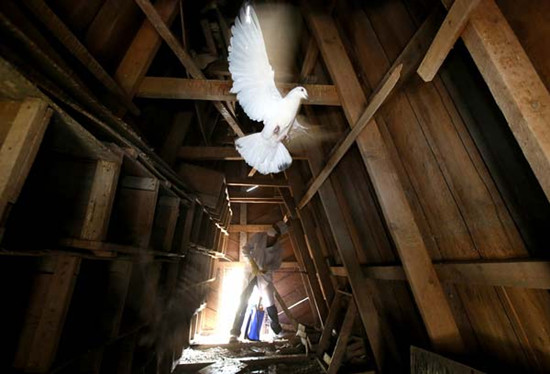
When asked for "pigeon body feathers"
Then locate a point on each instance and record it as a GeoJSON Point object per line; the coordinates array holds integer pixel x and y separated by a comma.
{"type": "Point", "coordinates": [254, 85]}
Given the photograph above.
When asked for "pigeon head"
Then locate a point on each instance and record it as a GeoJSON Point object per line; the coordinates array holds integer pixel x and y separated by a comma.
{"type": "Point", "coordinates": [300, 92]}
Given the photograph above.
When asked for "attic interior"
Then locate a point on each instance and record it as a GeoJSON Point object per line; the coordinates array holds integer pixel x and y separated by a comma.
{"type": "Point", "coordinates": [417, 242]}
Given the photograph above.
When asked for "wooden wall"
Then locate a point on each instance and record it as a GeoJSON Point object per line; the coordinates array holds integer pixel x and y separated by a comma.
{"type": "Point", "coordinates": [473, 194]}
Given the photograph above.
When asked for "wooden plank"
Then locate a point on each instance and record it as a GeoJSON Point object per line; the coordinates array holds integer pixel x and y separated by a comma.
{"type": "Point", "coordinates": [209, 153]}
{"type": "Point", "coordinates": [423, 361]}
{"type": "Point", "coordinates": [446, 37]}
{"type": "Point", "coordinates": [313, 242]}
{"type": "Point", "coordinates": [249, 228]}
{"type": "Point", "coordinates": [258, 181]}
{"type": "Point", "coordinates": [184, 58]}
{"type": "Point", "coordinates": [187, 228]}
{"type": "Point", "coordinates": [64, 35]}
{"type": "Point", "coordinates": [427, 290]}
{"type": "Point", "coordinates": [250, 361]}
{"type": "Point", "coordinates": [101, 200]}
{"type": "Point", "coordinates": [19, 148]}
{"type": "Point", "coordinates": [343, 146]}
{"type": "Point", "coordinates": [334, 312]}
{"type": "Point", "coordinates": [531, 274]}
{"type": "Point", "coordinates": [106, 249]}
{"type": "Point", "coordinates": [143, 49]}
{"type": "Point", "coordinates": [164, 226]}
{"type": "Point", "coordinates": [218, 153]}
{"type": "Point", "coordinates": [302, 254]}
{"type": "Point", "coordinates": [139, 183]}
{"type": "Point", "coordinates": [45, 316]}
{"type": "Point", "coordinates": [381, 339]}
{"type": "Point", "coordinates": [257, 200]}
{"type": "Point", "coordinates": [310, 59]}
{"type": "Point", "coordinates": [176, 135]}
{"type": "Point", "coordinates": [218, 90]}
{"type": "Point", "coordinates": [343, 338]}
{"type": "Point", "coordinates": [514, 83]}
{"type": "Point", "coordinates": [135, 211]}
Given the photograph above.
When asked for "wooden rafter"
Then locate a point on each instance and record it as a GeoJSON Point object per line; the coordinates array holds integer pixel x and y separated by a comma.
{"type": "Point", "coordinates": [310, 59]}
{"type": "Point", "coordinates": [448, 34]}
{"type": "Point", "coordinates": [426, 288]}
{"type": "Point", "coordinates": [144, 47]}
{"type": "Point", "coordinates": [511, 273]}
{"type": "Point", "coordinates": [217, 153]}
{"type": "Point", "coordinates": [517, 88]}
{"type": "Point", "coordinates": [249, 228]}
{"type": "Point", "coordinates": [342, 147]}
{"type": "Point", "coordinates": [48, 17]}
{"type": "Point", "coordinates": [218, 90]}
{"type": "Point", "coordinates": [258, 181]}
{"type": "Point", "coordinates": [184, 58]}
{"type": "Point", "coordinates": [241, 198]}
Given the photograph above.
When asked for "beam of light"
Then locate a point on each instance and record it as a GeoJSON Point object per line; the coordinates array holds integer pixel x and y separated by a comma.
{"type": "Point", "coordinates": [252, 188]}
{"type": "Point", "coordinates": [228, 302]}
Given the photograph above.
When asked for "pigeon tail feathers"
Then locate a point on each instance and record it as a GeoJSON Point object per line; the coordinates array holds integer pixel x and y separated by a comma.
{"type": "Point", "coordinates": [263, 154]}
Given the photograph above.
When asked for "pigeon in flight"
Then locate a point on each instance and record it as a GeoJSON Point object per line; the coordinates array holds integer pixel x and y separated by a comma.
{"type": "Point", "coordinates": [254, 84]}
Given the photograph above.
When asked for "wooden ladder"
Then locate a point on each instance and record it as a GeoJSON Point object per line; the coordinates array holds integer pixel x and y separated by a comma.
{"type": "Point", "coordinates": [338, 304]}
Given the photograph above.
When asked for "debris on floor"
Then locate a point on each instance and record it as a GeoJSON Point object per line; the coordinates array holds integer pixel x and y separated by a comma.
{"type": "Point", "coordinates": [248, 357]}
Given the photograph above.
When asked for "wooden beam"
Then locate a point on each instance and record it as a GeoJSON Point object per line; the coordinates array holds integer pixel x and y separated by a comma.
{"type": "Point", "coordinates": [64, 35]}
{"type": "Point", "coordinates": [218, 153]}
{"type": "Point", "coordinates": [184, 58]}
{"type": "Point", "coordinates": [427, 290]}
{"type": "Point", "coordinates": [446, 37]}
{"type": "Point", "coordinates": [218, 90]}
{"type": "Point", "coordinates": [264, 199]}
{"type": "Point", "coordinates": [343, 338]}
{"type": "Point", "coordinates": [45, 316]}
{"type": "Point", "coordinates": [173, 141]}
{"type": "Point", "coordinates": [343, 146]}
{"type": "Point", "coordinates": [53, 291]}
{"type": "Point", "coordinates": [517, 88]}
{"type": "Point", "coordinates": [381, 340]}
{"type": "Point", "coordinates": [249, 228]}
{"type": "Point", "coordinates": [21, 139]}
{"type": "Point", "coordinates": [521, 273]}
{"type": "Point", "coordinates": [310, 59]}
{"type": "Point", "coordinates": [330, 322]}
{"type": "Point", "coordinates": [301, 252]}
{"type": "Point", "coordinates": [144, 47]}
{"type": "Point", "coordinates": [100, 202]}
{"type": "Point", "coordinates": [310, 232]}
{"type": "Point", "coordinates": [258, 181]}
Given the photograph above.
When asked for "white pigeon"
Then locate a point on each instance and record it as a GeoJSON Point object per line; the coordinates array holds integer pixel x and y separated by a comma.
{"type": "Point", "coordinates": [254, 84]}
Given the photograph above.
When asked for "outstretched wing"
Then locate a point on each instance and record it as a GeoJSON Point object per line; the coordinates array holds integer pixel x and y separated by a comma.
{"type": "Point", "coordinates": [253, 77]}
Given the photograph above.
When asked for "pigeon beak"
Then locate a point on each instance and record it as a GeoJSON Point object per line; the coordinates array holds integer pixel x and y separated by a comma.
{"type": "Point", "coordinates": [306, 96]}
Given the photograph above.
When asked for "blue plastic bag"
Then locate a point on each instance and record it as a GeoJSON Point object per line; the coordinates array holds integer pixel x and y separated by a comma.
{"type": "Point", "coordinates": [254, 325]}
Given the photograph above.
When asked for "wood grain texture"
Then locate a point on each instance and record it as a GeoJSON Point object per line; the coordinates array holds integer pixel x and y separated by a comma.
{"type": "Point", "coordinates": [21, 139]}
{"type": "Point", "coordinates": [184, 58]}
{"type": "Point", "coordinates": [453, 25]}
{"type": "Point", "coordinates": [426, 288]}
{"type": "Point", "coordinates": [218, 90]}
{"type": "Point", "coordinates": [143, 49]}
{"type": "Point", "coordinates": [514, 83]}
{"type": "Point", "coordinates": [343, 146]}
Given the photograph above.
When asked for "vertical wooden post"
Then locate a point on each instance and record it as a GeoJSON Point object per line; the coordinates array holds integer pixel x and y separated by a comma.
{"type": "Point", "coordinates": [52, 292]}
{"type": "Point", "coordinates": [302, 254]}
{"type": "Point", "coordinates": [22, 138]}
